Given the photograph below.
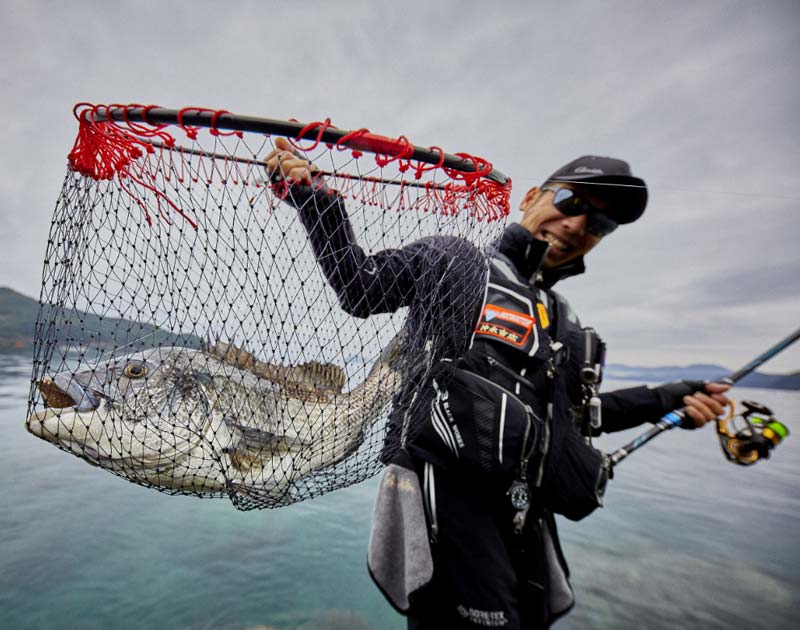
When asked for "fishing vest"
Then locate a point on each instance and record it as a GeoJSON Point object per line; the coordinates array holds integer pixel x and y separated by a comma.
{"type": "Point", "coordinates": [509, 406]}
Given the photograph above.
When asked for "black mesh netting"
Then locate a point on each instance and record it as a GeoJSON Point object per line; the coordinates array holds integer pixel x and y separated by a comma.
{"type": "Point", "coordinates": [203, 331]}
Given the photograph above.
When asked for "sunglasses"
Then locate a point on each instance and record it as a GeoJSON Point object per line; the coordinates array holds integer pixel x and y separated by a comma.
{"type": "Point", "coordinates": [568, 202]}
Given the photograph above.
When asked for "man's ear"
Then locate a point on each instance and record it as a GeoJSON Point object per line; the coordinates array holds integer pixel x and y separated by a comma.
{"type": "Point", "coordinates": [527, 200]}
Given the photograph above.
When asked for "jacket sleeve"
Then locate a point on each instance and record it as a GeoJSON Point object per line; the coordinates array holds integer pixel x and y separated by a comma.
{"type": "Point", "coordinates": [626, 408]}
{"type": "Point", "coordinates": [381, 282]}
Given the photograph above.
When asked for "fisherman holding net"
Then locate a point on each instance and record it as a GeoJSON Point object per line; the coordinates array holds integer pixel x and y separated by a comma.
{"type": "Point", "coordinates": [489, 443]}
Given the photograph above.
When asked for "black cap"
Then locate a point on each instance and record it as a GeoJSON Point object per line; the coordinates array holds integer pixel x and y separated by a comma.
{"type": "Point", "coordinates": [626, 194]}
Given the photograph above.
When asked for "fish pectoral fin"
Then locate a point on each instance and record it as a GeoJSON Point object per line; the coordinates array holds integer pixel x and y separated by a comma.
{"type": "Point", "coordinates": [253, 437]}
{"type": "Point", "coordinates": [250, 448]}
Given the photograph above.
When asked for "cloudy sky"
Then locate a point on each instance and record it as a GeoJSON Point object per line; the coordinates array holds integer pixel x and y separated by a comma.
{"type": "Point", "coordinates": [701, 97]}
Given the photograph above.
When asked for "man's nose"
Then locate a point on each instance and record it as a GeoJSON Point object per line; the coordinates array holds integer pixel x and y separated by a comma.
{"type": "Point", "coordinates": [576, 225]}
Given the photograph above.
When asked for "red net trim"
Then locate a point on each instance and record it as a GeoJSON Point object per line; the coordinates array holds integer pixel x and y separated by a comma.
{"type": "Point", "coordinates": [135, 153]}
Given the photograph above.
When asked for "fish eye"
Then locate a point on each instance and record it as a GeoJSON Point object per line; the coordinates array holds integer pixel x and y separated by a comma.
{"type": "Point", "coordinates": [135, 370]}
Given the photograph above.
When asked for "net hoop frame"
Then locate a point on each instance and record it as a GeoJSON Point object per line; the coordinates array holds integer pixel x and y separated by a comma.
{"type": "Point", "coordinates": [358, 140]}
{"type": "Point", "coordinates": [117, 140]}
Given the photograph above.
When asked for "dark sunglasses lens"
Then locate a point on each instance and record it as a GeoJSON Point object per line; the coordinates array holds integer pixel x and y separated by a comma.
{"type": "Point", "coordinates": [599, 224]}
{"type": "Point", "coordinates": [568, 202]}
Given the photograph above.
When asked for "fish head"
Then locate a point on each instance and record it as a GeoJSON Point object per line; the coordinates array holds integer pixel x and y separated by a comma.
{"type": "Point", "coordinates": [139, 415]}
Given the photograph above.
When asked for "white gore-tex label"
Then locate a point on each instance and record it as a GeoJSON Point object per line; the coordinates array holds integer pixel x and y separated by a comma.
{"type": "Point", "coordinates": [487, 618]}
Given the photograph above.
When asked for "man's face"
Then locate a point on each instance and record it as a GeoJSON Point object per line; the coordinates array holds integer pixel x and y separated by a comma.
{"type": "Point", "coordinates": [567, 235]}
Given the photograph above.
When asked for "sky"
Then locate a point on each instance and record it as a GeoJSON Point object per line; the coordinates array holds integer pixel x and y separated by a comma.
{"type": "Point", "coordinates": [701, 98]}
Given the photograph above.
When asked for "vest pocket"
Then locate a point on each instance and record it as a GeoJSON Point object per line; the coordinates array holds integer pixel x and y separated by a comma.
{"type": "Point", "coordinates": [478, 425]}
{"type": "Point", "coordinates": [575, 479]}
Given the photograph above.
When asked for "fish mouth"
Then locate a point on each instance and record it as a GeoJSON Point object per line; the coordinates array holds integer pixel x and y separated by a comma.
{"type": "Point", "coordinates": [53, 396]}
{"type": "Point", "coordinates": [61, 396]}
{"type": "Point", "coordinates": [57, 394]}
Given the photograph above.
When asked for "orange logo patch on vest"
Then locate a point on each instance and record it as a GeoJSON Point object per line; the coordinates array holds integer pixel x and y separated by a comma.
{"type": "Point", "coordinates": [511, 326]}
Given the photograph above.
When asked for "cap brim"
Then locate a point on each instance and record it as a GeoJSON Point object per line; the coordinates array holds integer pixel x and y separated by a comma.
{"type": "Point", "coordinates": [626, 195]}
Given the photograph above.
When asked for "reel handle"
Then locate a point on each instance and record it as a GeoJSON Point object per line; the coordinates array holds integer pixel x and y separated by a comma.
{"type": "Point", "coordinates": [757, 408]}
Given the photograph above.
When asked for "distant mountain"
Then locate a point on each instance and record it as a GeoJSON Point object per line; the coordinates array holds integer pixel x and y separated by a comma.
{"type": "Point", "coordinates": [699, 371]}
{"type": "Point", "coordinates": [18, 320]}
{"type": "Point", "coordinates": [18, 316]}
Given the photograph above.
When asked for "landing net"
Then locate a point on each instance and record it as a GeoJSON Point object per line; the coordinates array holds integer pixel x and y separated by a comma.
{"type": "Point", "coordinates": [203, 330]}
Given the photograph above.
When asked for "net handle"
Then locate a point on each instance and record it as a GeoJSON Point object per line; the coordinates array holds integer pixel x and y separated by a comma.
{"type": "Point", "coordinates": [358, 140]}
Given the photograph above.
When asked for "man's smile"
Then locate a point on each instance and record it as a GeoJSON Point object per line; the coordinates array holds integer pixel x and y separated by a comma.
{"type": "Point", "coordinates": [557, 242]}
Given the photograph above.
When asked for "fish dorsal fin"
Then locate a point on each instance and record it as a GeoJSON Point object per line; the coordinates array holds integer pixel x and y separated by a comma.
{"type": "Point", "coordinates": [313, 376]}
{"type": "Point", "coordinates": [231, 354]}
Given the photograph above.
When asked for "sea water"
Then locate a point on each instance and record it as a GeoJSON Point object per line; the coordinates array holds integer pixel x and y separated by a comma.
{"type": "Point", "coordinates": [686, 540]}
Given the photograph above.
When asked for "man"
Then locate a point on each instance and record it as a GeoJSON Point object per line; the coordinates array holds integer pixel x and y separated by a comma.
{"type": "Point", "coordinates": [501, 428]}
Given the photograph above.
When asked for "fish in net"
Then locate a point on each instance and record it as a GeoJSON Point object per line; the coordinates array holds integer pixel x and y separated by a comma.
{"type": "Point", "coordinates": [207, 330]}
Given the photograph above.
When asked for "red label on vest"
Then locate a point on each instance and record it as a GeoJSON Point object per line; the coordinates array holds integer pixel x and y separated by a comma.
{"type": "Point", "coordinates": [510, 326]}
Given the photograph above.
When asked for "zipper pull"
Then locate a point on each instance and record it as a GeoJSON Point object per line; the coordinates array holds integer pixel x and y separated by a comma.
{"type": "Point", "coordinates": [519, 520]}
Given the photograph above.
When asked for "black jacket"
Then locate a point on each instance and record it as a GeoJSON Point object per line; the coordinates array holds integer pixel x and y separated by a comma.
{"type": "Point", "coordinates": [448, 287]}
{"type": "Point", "coordinates": [441, 280]}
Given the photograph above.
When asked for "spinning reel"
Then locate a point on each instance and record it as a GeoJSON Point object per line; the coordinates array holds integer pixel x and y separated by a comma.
{"type": "Point", "coordinates": [750, 435]}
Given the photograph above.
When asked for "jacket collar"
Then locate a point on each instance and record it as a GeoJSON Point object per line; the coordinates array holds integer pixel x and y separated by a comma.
{"type": "Point", "coordinates": [527, 253]}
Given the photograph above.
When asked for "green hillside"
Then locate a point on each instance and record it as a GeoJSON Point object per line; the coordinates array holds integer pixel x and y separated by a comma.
{"type": "Point", "coordinates": [18, 316]}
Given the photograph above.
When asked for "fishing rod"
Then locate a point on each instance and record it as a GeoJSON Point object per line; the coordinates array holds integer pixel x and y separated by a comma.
{"type": "Point", "coordinates": [738, 446]}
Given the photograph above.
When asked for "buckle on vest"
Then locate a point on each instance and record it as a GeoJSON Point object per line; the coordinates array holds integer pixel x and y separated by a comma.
{"type": "Point", "coordinates": [559, 353]}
